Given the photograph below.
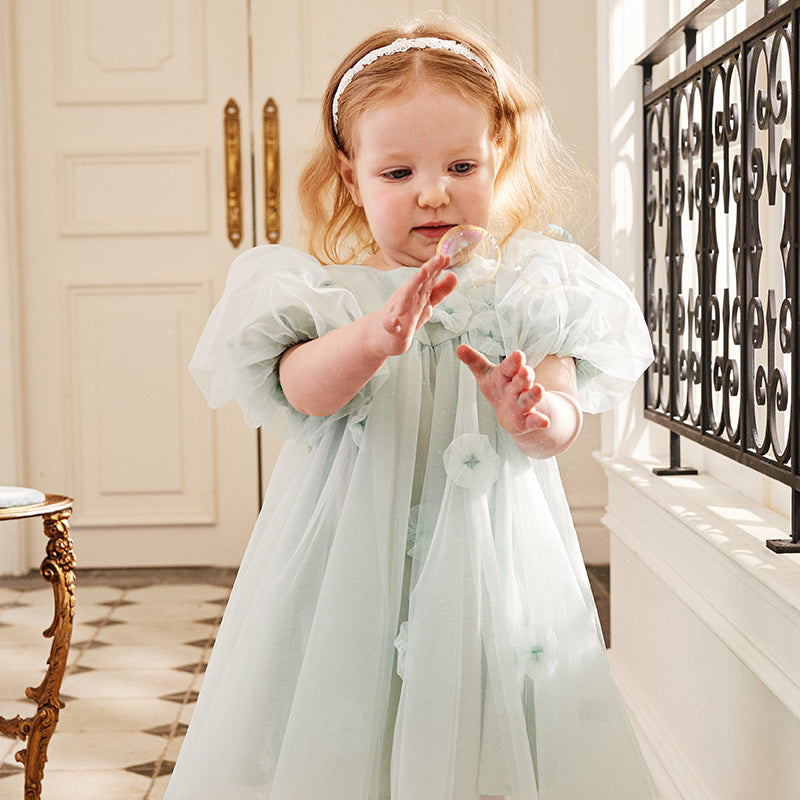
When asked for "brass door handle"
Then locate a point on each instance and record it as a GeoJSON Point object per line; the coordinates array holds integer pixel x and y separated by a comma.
{"type": "Point", "coordinates": [233, 172]}
{"type": "Point", "coordinates": [272, 173]}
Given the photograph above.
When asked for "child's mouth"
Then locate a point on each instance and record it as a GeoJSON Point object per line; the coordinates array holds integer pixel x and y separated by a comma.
{"type": "Point", "coordinates": [434, 232]}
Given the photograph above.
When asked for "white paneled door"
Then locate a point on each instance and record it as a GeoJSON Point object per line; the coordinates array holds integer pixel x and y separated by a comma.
{"type": "Point", "coordinates": [123, 248]}
{"type": "Point", "coordinates": [124, 245]}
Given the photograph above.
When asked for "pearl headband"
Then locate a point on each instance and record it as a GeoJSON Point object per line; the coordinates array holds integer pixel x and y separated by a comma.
{"type": "Point", "coordinates": [399, 46]}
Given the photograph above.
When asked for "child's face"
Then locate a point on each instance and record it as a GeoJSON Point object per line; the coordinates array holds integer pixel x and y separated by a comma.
{"type": "Point", "coordinates": [423, 163]}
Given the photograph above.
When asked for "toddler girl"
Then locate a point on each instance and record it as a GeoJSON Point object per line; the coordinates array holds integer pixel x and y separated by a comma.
{"type": "Point", "coordinates": [412, 618]}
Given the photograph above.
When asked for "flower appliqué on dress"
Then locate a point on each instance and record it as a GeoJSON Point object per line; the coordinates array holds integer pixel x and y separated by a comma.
{"type": "Point", "coordinates": [471, 462]}
{"type": "Point", "coordinates": [537, 650]}
{"type": "Point", "coordinates": [485, 335]}
{"type": "Point", "coordinates": [453, 313]}
{"type": "Point", "coordinates": [482, 298]}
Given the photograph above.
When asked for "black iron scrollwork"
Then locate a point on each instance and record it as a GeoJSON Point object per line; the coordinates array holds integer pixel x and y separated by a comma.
{"type": "Point", "coordinates": [721, 251]}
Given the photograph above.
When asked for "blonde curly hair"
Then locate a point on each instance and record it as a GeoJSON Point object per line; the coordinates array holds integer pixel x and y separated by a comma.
{"type": "Point", "coordinates": [535, 183]}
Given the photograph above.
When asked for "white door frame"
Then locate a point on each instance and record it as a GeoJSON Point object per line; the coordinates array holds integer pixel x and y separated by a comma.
{"type": "Point", "coordinates": [13, 553]}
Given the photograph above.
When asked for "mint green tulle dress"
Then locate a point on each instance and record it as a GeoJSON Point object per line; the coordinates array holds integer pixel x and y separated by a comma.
{"type": "Point", "coordinates": [412, 618]}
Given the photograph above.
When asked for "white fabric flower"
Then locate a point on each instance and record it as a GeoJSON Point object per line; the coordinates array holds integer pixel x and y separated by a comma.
{"type": "Point", "coordinates": [485, 334]}
{"type": "Point", "coordinates": [537, 651]}
{"type": "Point", "coordinates": [453, 313]}
{"type": "Point", "coordinates": [471, 462]}
{"type": "Point", "coordinates": [482, 297]}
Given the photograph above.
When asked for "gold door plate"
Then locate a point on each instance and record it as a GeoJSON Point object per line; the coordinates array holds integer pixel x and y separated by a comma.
{"type": "Point", "coordinates": [272, 173]}
{"type": "Point", "coordinates": [233, 172]}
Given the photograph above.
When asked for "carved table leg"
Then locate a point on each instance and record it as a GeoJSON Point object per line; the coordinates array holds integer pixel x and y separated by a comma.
{"type": "Point", "coordinates": [57, 569]}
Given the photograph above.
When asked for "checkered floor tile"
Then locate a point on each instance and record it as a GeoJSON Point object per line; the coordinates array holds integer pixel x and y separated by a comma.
{"type": "Point", "coordinates": [139, 648]}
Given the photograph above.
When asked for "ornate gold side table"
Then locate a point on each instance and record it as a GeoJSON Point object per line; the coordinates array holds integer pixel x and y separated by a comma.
{"type": "Point", "coordinates": [57, 569]}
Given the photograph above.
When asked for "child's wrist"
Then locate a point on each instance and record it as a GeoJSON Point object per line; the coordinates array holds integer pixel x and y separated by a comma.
{"type": "Point", "coordinates": [373, 335]}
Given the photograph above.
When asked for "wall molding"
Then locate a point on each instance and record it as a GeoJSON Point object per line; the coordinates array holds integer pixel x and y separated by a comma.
{"type": "Point", "coordinates": [705, 631]}
{"type": "Point", "coordinates": [671, 773]}
{"type": "Point", "coordinates": [695, 534]}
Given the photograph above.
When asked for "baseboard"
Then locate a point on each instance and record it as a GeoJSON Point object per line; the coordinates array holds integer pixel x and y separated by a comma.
{"type": "Point", "coordinates": [672, 776]}
{"type": "Point", "coordinates": [593, 536]}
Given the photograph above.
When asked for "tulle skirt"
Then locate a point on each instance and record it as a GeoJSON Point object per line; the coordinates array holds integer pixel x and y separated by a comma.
{"type": "Point", "coordinates": [396, 637]}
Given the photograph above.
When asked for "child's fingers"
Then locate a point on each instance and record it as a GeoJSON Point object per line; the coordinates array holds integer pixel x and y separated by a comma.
{"type": "Point", "coordinates": [511, 365]}
{"type": "Point", "coordinates": [443, 288]}
{"type": "Point", "coordinates": [515, 396]}
{"type": "Point", "coordinates": [523, 379]}
{"type": "Point", "coordinates": [530, 398]}
{"type": "Point", "coordinates": [426, 275]}
{"type": "Point", "coordinates": [536, 421]}
{"type": "Point", "coordinates": [435, 264]}
{"type": "Point", "coordinates": [420, 289]}
{"type": "Point", "coordinates": [477, 362]}
{"type": "Point", "coordinates": [430, 280]}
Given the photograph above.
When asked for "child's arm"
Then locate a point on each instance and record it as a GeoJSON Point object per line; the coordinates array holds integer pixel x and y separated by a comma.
{"type": "Point", "coordinates": [538, 408]}
{"type": "Point", "coordinates": [320, 376]}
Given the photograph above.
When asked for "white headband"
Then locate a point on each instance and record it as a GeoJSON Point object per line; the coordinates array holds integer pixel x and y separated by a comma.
{"type": "Point", "coordinates": [399, 46]}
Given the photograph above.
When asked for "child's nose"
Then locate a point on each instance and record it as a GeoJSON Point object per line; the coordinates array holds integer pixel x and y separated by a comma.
{"type": "Point", "coordinates": [433, 193]}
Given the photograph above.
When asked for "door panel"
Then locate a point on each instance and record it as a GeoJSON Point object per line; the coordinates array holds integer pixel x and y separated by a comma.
{"type": "Point", "coordinates": [162, 475]}
{"type": "Point", "coordinates": [157, 55]}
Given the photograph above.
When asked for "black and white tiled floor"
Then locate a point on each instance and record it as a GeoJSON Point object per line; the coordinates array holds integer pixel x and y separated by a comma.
{"type": "Point", "coordinates": [139, 648]}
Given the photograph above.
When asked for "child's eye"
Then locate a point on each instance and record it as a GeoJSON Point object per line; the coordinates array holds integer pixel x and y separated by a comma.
{"type": "Point", "coordinates": [463, 167]}
{"type": "Point", "coordinates": [397, 174]}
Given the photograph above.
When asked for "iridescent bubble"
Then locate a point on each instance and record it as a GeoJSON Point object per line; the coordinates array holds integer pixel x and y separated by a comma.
{"type": "Point", "coordinates": [475, 255]}
{"type": "Point", "coordinates": [473, 252]}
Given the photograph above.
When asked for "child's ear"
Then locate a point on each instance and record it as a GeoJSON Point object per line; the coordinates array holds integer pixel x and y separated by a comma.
{"type": "Point", "coordinates": [348, 173]}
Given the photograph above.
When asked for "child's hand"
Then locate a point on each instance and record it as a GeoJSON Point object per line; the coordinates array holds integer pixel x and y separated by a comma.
{"type": "Point", "coordinates": [511, 389]}
{"type": "Point", "coordinates": [411, 306]}
{"type": "Point", "coordinates": [543, 417]}
{"type": "Point", "coordinates": [320, 376]}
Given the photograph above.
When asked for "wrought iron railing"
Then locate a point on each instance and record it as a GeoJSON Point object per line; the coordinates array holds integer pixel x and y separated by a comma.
{"type": "Point", "coordinates": [721, 223]}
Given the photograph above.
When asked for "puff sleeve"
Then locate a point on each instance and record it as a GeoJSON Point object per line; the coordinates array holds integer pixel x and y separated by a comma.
{"type": "Point", "coordinates": [555, 298]}
{"type": "Point", "coordinates": [274, 297]}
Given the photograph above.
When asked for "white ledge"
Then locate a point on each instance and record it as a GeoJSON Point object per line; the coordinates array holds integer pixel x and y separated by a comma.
{"type": "Point", "coordinates": [706, 542]}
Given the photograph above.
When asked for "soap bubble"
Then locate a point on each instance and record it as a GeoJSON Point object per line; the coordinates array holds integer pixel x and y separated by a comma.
{"type": "Point", "coordinates": [475, 255]}
{"type": "Point", "coordinates": [473, 252]}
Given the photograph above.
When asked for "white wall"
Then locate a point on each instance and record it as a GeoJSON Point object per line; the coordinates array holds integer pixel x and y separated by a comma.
{"type": "Point", "coordinates": [566, 68]}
